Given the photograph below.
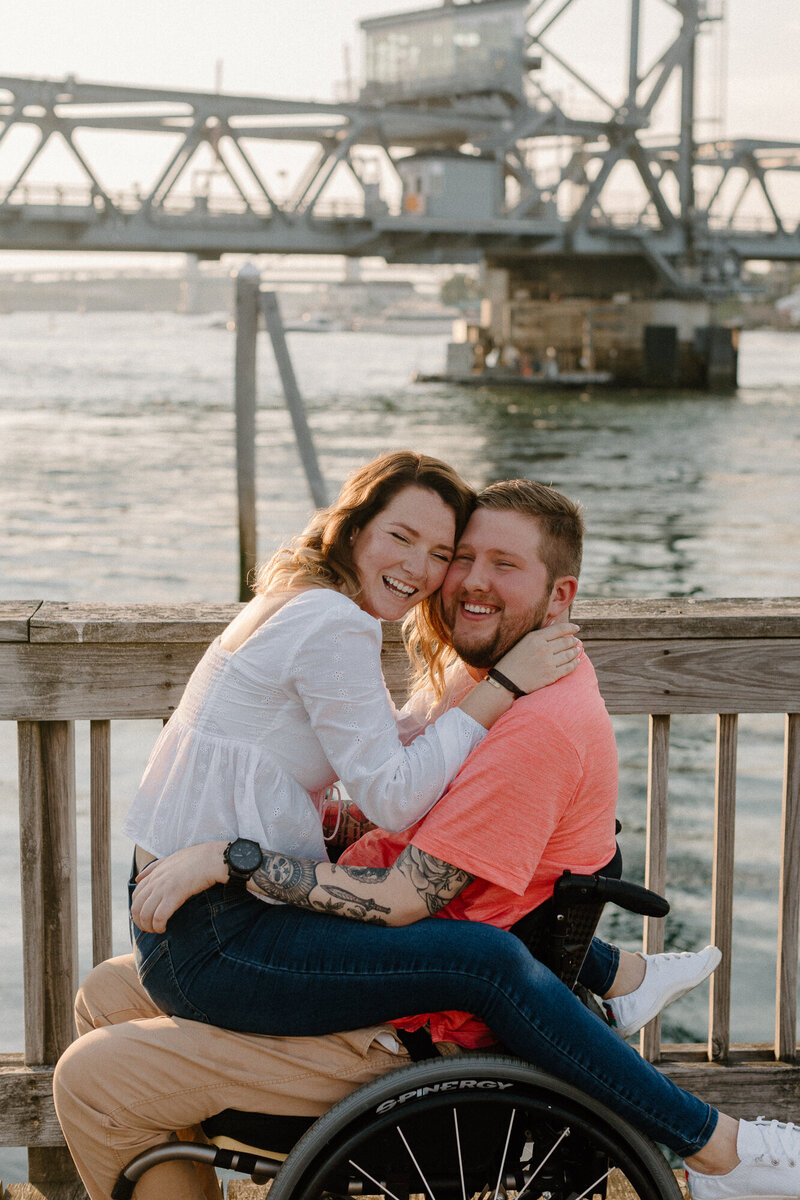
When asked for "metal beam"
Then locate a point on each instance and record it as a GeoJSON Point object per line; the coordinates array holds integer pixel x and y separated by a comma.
{"type": "Point", "coordinates": [519, 135]}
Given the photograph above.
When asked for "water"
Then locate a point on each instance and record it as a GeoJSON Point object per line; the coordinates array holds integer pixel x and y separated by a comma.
{"type": "Point", "coordinates": [117, 483]}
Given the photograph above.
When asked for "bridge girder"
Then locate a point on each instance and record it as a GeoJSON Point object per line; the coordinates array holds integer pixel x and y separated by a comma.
{"type": "Point", "coordinates": [690, 226]}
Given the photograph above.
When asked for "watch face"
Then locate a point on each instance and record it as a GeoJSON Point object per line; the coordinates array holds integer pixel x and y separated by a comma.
{"type": "Point", "coordinates": [244, 855]}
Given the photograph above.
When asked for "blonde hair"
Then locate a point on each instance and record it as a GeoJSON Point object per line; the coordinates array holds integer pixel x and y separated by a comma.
{"type": "Point", "coordinates": [322, 555]}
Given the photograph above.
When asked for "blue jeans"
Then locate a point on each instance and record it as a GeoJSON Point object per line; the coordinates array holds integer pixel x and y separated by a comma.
{"type": "Point", "coordinates": [233, 961]}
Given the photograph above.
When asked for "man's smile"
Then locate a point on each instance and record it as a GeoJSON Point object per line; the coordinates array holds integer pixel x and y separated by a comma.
{"type": "Point", "coordinates": [473, 609]}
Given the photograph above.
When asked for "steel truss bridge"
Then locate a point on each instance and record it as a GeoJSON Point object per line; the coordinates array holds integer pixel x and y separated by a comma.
{"type": "Point", "coordinates": [214, 189]}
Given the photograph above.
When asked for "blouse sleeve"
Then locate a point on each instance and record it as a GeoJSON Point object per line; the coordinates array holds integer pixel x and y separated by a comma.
{"type": "Point", "coordinates": [337, 674]}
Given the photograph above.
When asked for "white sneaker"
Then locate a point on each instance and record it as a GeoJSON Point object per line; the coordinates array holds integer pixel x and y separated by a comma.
{"type": "Point", "coordinates": [769, 1167]}
{"type": "Point", "coordinates": [666, 977]}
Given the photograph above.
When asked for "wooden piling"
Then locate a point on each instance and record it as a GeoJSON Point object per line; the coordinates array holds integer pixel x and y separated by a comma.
{"type": "Point", "coordinates": [247, 285]}
{"type": "Point", "coordinates": [294, 401]}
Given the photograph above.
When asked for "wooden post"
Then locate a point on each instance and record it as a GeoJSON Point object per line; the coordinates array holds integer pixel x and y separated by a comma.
{"type": "Point", "coordinates": [789, 918]}
{"type": "Point", "coordinates": [719, 997]}
{"type": "Point", "coordinates": [655, 875]}
{"type": "Point", "coordinates": [100, 787]}
{"type": "Point", "coordinates": [294, 401]}
{"type": "Point", "coordinates": [247, 284]}
{"type": "Point", "coordinates": [48, 854]}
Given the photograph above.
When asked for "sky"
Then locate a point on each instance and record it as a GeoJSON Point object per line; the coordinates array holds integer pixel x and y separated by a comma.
{"type": "Point", "coordinates": [297, 49]}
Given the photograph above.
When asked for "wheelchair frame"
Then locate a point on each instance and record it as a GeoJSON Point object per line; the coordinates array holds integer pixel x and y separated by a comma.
{"type": "Point", "coordinates": [469, 1125]}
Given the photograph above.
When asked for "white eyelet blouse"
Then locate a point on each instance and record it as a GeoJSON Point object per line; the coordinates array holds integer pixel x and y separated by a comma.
{"type": "Point", "coordinates": [262, 731]}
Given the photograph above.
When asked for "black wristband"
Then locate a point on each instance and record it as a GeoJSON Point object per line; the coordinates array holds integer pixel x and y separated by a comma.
{"type": "Point", "coordinates": [506, 683]}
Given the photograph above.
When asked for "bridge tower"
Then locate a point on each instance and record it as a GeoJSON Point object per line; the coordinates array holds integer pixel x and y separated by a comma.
{"type": "Point", "coordinates": [625, 295]}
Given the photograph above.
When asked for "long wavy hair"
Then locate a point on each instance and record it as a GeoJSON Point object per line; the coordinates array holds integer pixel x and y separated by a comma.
{"type": "Point", "coordinates": [322, 555]}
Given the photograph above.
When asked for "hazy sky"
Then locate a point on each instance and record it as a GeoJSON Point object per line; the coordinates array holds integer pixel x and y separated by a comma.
{"type": "Point", "coordinates": [295, 48]}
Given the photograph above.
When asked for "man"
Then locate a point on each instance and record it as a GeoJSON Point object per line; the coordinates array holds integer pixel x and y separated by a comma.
{"type": "Point", "coordinates": [548, 768]}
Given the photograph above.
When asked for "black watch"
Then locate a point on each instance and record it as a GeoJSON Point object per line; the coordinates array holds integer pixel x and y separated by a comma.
{"type": "Point", "coordinates": [243, 858]}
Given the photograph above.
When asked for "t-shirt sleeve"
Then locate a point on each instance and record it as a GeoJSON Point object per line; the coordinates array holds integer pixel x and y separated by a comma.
{"type": "Point", "coordinates": [337, 673]}
{"type": "Point", "coordinates": [506, 802]}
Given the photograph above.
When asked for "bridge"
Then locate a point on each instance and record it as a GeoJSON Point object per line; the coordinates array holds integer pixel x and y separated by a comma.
{"type": "Point", "coordinates": [457, 148]}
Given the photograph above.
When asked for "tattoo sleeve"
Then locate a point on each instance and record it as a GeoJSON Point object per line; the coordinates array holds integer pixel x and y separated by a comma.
{"type": "Point", "coordinates": [436, 882]}
{"type": "Point", "coordinates": [417, 883]}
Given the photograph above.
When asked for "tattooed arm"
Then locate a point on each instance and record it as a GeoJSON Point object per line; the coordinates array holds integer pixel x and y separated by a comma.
{"type": "Point", "coordinates": [418, 885]}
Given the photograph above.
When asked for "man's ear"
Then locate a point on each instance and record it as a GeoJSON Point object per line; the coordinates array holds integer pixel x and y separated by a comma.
{"type": "Point", "coordinates": [561, 597]}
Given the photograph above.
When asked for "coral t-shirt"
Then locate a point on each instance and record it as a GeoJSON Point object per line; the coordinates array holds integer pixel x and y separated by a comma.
{"type": "Point", "coordinates": [537, 797]}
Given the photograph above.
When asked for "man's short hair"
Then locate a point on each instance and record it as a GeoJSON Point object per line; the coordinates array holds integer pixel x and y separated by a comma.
{"type": "Point", "coordinates": [560, 521]}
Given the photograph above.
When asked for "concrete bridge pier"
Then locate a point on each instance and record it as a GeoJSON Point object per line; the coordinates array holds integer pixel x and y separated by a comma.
{"type": "Point", "coordinates": [607, 323]}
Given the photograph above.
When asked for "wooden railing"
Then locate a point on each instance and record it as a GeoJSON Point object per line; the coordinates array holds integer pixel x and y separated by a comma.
{"type": "Point", "coordinates": [62, 663]}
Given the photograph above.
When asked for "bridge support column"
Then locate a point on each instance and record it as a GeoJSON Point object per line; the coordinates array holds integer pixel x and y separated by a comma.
{"type": "Point", "coordinates": [190, 286]}
{"type": "Point", "coordinates": [629, 339]}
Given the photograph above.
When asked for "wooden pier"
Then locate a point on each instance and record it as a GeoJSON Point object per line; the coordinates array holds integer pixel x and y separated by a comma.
{"type": "Point", "coordinates": [62, 663]}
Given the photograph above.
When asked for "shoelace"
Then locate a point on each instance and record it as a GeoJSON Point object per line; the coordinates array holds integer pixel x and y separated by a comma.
{"type": "Point", "coordinates": [779, 1146]}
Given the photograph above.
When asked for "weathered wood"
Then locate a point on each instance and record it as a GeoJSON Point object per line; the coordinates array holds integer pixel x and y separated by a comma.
{"type": "Point", "coordinates": [52, 1169]}
{"type": "Point", "coordinates": [788, 921]}
{"type": "Point", "coordinates": [26, 1102]}
{"type": "Point", "coordinates": [44, 1191]}
{"type": "Point", "coordinates": [600, 620]}
{"type": "Point", "coordinates": [133, 680]}
{"type": "Point", "coordinates": [31, 819]}
{"type": "Point", "coordinates": [719, 1011]}
{"type": "Point", "coordinates": [101, 682]}
{"type": "Point", "coordinates": [86, 622]}
{"type": "Point", "coordinates": [655, 869]}
{"type": "Point", "coordinates": [697, 676]}
{"type": "Point", "coordinates": [676, 617]}
{"type": "Point", "coordinates": [745, 1091]}
{"type": "Point", "coordinates": [294, 401]}
{"type": "Point", "coordinates": [48, 855]}
{"type": "Point", "coordinates": [247, 285]}
{"type": "Point", "coordinates": [100, 810]}
{"type": "Point", "coordinates": [14, 618]}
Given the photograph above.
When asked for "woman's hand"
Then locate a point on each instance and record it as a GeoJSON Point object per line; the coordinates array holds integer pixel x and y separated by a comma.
{"type": "Point", "coordinates": [164, 885]}
{"type": "Point", "coordinates": [542, 656]}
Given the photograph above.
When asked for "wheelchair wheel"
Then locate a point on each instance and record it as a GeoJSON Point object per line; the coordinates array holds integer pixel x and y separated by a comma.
{"type": "Point", "coordinates": [472, 1127]}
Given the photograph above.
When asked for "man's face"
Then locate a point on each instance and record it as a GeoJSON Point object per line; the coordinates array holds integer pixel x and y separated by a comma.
{"type": "Point", "coordinates": [497, 588]}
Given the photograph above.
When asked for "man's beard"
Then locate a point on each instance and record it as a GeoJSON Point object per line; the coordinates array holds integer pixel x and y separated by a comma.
{"type": "Point", "coordinates": [508, 632]}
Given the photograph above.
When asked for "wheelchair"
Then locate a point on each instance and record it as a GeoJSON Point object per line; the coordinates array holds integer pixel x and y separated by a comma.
{"type": "Point", "coordinates": [471, 1126]}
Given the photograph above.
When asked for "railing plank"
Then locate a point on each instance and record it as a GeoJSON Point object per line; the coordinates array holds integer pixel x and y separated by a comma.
{"type": "Point", "coordinates": [100, 804]}
{"type": "Point", "coordinates": [103, 681]}
{"type": "Point", "coordinates": [719, 1004]}
{"type": "Point", "coordinates": [789, 925]}
{"type": "Point", "coordinates": [655, 874]}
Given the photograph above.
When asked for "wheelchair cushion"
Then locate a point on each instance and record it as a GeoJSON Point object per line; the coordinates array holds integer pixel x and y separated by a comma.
{"type": "Point", "coordinates": [265, 1132]}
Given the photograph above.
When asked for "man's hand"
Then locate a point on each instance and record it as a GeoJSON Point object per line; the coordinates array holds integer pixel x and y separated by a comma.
{"type": "Point", "coordinates": [164, 885]}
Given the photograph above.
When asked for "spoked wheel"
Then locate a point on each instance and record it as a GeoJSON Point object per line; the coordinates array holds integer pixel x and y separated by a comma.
{"type": "Point", "coordinates": [473, 1127]}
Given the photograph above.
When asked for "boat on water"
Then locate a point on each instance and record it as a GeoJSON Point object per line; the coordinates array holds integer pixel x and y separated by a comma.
{"type": "Point", "coordinates": [545, 381]}
{"type": "Point", "coordinates": [313, 323]}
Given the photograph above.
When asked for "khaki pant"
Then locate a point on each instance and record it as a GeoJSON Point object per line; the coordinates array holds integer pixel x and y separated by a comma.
{"type": "Point", "coordinates": [135, 1077]}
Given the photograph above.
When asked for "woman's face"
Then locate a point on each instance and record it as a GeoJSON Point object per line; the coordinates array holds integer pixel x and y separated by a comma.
{"type": "Point", "coordinates": [402, 554]}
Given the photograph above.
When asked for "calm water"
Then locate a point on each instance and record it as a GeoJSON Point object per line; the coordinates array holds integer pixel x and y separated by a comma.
{"type": "Point", "coordinates": [117, 483]}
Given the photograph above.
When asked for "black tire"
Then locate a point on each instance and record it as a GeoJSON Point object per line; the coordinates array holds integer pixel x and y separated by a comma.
{"type": "Point", "coordinates": [456, 1128]}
